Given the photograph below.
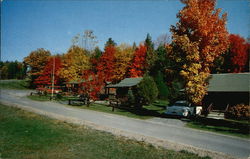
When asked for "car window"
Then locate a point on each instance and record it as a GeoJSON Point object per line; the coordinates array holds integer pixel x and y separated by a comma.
{"type": "Point", "coordinates": [184, 104]}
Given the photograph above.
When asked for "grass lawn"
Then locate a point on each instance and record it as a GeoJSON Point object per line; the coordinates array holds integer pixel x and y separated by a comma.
{"type": "Point", "coordinates": [220, 129]}
{"type": "Point", "coordinates": [103, 108]}
{"type": "Point", "coordinates": [39, 98]}
{"type": "Point", "coordinates": [13, 84]}
{"type": "Point", "coordinates": [27, 135]}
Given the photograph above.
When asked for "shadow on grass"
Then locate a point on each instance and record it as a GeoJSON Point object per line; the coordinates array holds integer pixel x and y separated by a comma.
{"type": "Point", "coordinates": [222, 126]}
{"type": "Point", "coordinates": [144, 112]}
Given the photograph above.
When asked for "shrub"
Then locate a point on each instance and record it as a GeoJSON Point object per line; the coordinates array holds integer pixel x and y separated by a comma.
{"type": "Point", "coordinates": [58, 96]}
{"type": "Point", "coordinates": [239, 112]}
{"type": "Point", "coordinates": [147, 90]}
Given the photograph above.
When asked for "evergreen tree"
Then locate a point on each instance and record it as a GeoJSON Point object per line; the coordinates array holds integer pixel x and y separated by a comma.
{"type": "Point", "coordinates": [110, 42]}
{"type": "Point", "coordinates": [150, 55]}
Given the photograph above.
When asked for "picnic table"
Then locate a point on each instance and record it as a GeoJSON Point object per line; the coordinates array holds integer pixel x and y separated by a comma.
{"type": "Point", "coordinates": [81, 98]}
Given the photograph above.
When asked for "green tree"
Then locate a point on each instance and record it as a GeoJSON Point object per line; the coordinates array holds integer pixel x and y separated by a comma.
{"type": "Point", "coordinates": [146, 91]}
{"type": "Point", "coordinates": [150, 55]}
{"type": "Point", "coordinates": [97, 53]}
{"type": "Point", "coordinates": [161, 85]}
{"type": "Point", "coordinates": [12, 70]}
{"type": "Point", "coordinates": [110, 42]}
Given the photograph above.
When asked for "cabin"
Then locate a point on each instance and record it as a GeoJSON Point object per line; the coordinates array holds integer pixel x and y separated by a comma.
{"type": "Point", "coordinates": [122, 88]}
{"type": "Point", "coordinates": [72, 87]}
{"type": "Point", "coordinates": [227, 89]}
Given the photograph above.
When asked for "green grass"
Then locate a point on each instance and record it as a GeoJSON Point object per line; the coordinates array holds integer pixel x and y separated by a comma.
{"type": "Point", "coordinates": [39, 98]}
{"type": "Point", "coordinates": [127, 113]}
{"type": "Point", "coordinates": [218, 129]}
{"type": "Point", "coordinates": [13, 84]}
{"type": "Point", "coordinates": [27, 135]}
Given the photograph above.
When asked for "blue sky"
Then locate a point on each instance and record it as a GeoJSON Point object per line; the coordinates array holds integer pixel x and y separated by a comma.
{"type": "Point", "coordinates": [51, 24]}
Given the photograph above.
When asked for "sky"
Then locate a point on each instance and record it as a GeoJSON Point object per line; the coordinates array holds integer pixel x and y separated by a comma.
{"type": "Point", "coordinates": [27, 25]}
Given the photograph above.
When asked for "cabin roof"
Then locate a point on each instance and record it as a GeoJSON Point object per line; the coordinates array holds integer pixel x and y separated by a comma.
{"type": "Point", "coordinates": [127, 82]}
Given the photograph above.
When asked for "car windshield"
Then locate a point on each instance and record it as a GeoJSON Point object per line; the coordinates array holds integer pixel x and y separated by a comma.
{"type": "Point", "coordinates": [181, 104]}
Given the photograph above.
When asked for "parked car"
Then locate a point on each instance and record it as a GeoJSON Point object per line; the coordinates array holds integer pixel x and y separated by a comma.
{"type": "Point", "coordinates": [183, 108]}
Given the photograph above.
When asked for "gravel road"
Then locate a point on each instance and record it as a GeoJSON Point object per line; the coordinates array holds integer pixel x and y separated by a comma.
{"type": "Point", "coordinates": [169, 133]}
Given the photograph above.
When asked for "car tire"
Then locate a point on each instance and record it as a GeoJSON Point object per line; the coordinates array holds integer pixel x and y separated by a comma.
{"type": "Point", "coordinates": [188, 115]}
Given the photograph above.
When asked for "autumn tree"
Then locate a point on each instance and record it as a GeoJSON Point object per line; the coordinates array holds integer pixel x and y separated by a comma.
{"type": "Point", "coordinates": [36, 62]}
{"type": "Point", "coordinates": [199, 37]}
{"type": "Point", "coordinates": [94, 59]}
{"type": "Point", "coordinates": [123, 58]}
{"type": "Point", "coordinates": [139, 62]}
{"type": "Point", "coordinates": [52, 68]}
{"type": "Point", "coordinates": [237, 56]}
{"type": "Point", "coordinates": [247, 67]}
{"type": "Point", "coordinates": [106, 62]}
{"type": "Point", "coordinates": [92, 84]}
{"type": "Point", "coordinates": [74, 62]}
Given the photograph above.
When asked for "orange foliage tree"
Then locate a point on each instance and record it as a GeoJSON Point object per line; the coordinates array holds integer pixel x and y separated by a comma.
{"type": "Point", "coordinates": [46, 76]}
{"type": "Point", "coordinates": [123, 57]}
{"type": "Point", "coordinates": [138, 66]}
{"type": "Point", "coordinates": [199, 37]}
{"type": "Point", "coordinates": [36, 62]}
{"type": "Point", "coordinates": [74, 62]}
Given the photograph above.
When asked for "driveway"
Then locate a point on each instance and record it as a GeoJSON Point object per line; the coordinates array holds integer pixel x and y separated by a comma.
{"type": "Point", "coordinates": [169, 133]}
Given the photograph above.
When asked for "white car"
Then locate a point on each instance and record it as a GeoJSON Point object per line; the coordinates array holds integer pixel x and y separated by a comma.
{"type": "Point", "coordinates": [183, 108]}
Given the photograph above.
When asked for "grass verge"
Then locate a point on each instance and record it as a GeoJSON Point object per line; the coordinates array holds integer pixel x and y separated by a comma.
{"type": "Point", "coordinates": [13, 84]}
{"type": "Point", "coordinates": [39, 98]}
{"type": "Point", "coordinates": [27, 135]}
{"type": "Point", "coordinates": [127, 113]}
{"type": "Point", "coordinates": [219, 129]}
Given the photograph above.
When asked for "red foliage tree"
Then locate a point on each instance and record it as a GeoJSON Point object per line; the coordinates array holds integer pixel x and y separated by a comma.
{"type": "Point", "coordinates": [46, 76]}
{"type": "Point", "coordinates": [139, 62]}
{"type": "Point", "coordinates": [106, 63]}
{"type": "Point", "coordinates": [248, 53]}
{"type": "Point", "coordinates": [237, 57]}
{"type": "Point", "coordinates": [92, 85]}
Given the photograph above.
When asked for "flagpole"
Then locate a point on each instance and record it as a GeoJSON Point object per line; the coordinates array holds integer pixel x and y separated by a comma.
{"type": "Point", "coordinates": [53, 78]}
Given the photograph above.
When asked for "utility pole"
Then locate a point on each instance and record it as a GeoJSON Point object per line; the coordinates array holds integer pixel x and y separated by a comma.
{"type": "Point", "coordinates": [53, 78]}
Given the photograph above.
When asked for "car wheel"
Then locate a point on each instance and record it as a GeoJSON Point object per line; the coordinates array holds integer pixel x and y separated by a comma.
{"type": "Point", "coordinates": [188, 115]}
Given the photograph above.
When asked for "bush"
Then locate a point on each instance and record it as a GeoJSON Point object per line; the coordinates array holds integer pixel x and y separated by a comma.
{"type": "Point", "coordinates": [147, 91]}
{"type": "Point", "coordinates": [58, 96]}
{"type": "Point", "coordinates": [239, 112]}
